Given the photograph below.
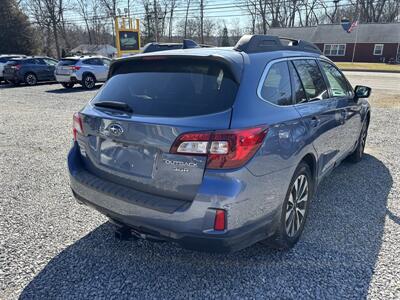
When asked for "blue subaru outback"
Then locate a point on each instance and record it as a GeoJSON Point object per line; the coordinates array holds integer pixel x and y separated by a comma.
{"type": "Point", "coordinates": [216, 148]}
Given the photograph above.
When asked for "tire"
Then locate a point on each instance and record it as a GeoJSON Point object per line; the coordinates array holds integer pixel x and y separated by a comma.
{"type": "Point", "coordinates": [358, 153]}
{"type": "Point", "coordinates": [68, 85]}
{"type": "Point", "coordinates": [30, 79]}
{"type": "Point", "coordinates": [294, 209]}
{"type": "Point", "coordinates": [88, 81]}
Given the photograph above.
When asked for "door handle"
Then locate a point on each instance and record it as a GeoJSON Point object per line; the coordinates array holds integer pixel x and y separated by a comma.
{"type": "Point", "coordinates": [315, 121]}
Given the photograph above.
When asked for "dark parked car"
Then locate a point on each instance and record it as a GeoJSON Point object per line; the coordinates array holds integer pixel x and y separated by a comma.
{"type": "Point", "coordinates": [30, 70]}
{"type": "Point", "coordinates": [216, 149]}
{"type": "Point", "coordinates": [4, 58]}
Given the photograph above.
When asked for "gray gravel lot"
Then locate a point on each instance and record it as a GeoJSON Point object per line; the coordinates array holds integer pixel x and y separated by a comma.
{"type": "Point", "coordinates": [51, 247]}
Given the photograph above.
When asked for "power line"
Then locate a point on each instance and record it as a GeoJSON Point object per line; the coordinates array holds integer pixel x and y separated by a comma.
{"type": "Point", "coordinates": [225, 8]}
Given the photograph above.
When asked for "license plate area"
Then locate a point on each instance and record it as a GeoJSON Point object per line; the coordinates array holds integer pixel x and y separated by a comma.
{"type": "Point", "coordinates": [134, 160]}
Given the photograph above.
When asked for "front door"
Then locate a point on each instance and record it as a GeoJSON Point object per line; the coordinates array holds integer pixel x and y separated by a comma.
{"type": "Point", "coordinates": [341, 90]}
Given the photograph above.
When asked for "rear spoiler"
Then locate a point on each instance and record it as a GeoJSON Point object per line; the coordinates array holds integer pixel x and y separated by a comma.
{"type": "Point", "coordinates": [118, 66]}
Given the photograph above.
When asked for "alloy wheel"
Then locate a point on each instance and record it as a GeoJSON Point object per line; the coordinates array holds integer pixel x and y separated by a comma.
{"type": "Point", "coordinates": [31, 79]}
{"type": "Point", "coordinates": [89, 82]}
{"type": "Point", "coordinates": [296, 205]}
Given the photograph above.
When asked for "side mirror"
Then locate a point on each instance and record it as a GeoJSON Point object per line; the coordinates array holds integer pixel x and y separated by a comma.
{"type": "Point", "coordinates": [361, 91]}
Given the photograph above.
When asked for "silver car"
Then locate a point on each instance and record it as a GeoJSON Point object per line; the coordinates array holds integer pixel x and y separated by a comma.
{"type": "Point", "coordinates": [85, 70]}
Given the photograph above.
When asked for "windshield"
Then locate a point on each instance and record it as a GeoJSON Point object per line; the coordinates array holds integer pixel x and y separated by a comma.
{"type": "Point", "coordinates": [171, 88]}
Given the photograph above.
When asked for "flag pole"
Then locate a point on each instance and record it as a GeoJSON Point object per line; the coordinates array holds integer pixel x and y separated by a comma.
{"type": "Point", "coordinates": [355, 43]}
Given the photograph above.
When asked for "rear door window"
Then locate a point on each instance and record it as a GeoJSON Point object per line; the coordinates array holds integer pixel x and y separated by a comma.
{"type": "Point", "coordinates": [276, 87]}
{"type": "Point", "coordinates": [33, 61]}
{"type": "Point", "coordinates": [312, 79]}
{"type": "Point", "coordinates": [171, 87]}
{"type": "Point", "coordinates": [106, 61]}
{"type": "Point", "coordinates": [50, 62]}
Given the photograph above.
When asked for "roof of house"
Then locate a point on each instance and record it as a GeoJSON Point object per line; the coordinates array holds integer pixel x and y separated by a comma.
{"type": "Point", "coordinates": [334, 33]}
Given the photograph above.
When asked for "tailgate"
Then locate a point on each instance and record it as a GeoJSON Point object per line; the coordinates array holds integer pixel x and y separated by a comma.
{"type": "Point", "coordinates": [165, 99]}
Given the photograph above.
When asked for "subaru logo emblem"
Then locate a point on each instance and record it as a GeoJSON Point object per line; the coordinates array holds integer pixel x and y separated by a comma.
{"type": "Point", "coordinates": [115, 129]}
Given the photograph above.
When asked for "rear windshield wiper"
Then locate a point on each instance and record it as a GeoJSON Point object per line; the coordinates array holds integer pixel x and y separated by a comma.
{"type": "Point", "coordinates": [114, 105]}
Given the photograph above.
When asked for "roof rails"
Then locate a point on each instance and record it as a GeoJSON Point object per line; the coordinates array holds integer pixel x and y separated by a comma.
{"type": "Point", "coordinates": [266, 43]}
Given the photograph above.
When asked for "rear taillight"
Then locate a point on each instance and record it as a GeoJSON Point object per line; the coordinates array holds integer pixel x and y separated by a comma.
{"type": "Point", "coordinates": [225, 149]}
{"type": "Point", "coordinates": [16, 67]}
{"type": "Point", "coordinates": [75, 68]}
{"type": "Point", "coordinates": [77, 125]}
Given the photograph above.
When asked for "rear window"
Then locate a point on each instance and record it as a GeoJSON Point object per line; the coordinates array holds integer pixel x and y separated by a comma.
{"type": "Point", "coordinates": [67, 62]}
{"type": "Point", "coordinates": [14, 61]}
{"type": "Point", "coordinates": [6, 58]}
{"type": "Point", "coordinates": [171, 88]}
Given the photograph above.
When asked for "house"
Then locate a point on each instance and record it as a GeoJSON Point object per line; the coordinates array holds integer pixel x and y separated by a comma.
{"type": "Point", "coordinates": [372, 42]}
{"type": "Point", "coordinates": [105, 50]}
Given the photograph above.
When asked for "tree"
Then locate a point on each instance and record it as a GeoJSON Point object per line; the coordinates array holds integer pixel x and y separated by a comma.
{"type": "Point", "coordinates": [225, 38]}
{"type": "Point", "coordinates": [186, 18]}
{"type": "Point", "coordinates": [16, 33]}
{"type": "Point", "coordinates": [202, 21]}
{"type": "Point", "coordinates": [49, 16]}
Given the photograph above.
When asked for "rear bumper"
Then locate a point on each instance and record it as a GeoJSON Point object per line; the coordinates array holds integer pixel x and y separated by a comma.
{"type": "Point", "coordinates": [66, 78]}
{"type": "Point", "coordinates": [187, 223]}
{"type": "Point", "coordinates": [11, 77]}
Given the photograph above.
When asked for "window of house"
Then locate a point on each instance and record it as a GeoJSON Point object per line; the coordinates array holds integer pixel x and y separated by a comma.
{"type": "Point", "coordinates": [378, 49]}
{"type": "Point", "coordinates": [334, 49]}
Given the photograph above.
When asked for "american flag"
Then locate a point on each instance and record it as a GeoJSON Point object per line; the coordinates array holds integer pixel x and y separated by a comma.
{"type": "Point", "coordinates": [353, 25]}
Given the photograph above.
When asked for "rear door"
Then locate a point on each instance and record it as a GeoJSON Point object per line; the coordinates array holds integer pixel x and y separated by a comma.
{"type": "Point", "coordinates": [168, 97]}
{"type": "Point", "coordinates": [38, 66]}
{"type": "Point", "coordinates": [320, 113]}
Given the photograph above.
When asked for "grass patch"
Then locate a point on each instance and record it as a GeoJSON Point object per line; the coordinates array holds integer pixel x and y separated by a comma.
{"type": "Point", "coordinates": [368, 66]}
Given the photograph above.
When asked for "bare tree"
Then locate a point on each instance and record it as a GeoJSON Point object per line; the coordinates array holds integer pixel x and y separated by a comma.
{"type": "Point", "coordinates": [202, 21]}
{"type": "Point", "coordinates": [262, 10]}
{"type": "Point", "coordinates": [186, 18]}
{"type": "Point", "coordinates": [84, 12]}
{"type": "Point", "coordinates": [173, 5]}
{"type": "Point", "coordinates": [251, 8]}
{"type": "Point", "coordinates": [48, 14]}
{"type": "Point", "coordinates": [331, 14]}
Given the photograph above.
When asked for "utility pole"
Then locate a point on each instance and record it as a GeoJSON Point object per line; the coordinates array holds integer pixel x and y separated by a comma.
{"type": "Point", "coordinates": [156, 19]}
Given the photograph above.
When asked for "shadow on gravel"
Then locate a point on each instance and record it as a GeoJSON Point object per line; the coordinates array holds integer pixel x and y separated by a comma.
{"type": "Point", "coordinates": [334, 259]}
{"type": "Point", "coordinates": [77, 89]}
{"type": "Point", "coordinates": [23, 85]}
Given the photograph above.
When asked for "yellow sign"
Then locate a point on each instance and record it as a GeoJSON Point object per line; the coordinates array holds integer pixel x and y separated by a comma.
{"type": "Point", "coordinates": [127, 36]}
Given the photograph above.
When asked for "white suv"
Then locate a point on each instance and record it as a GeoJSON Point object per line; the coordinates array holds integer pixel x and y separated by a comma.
{"type": "Point", "coordinates": [85, 70]}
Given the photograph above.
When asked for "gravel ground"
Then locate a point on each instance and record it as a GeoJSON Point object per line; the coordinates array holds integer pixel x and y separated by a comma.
{"type": "Point", "coordinates": [51, 247]}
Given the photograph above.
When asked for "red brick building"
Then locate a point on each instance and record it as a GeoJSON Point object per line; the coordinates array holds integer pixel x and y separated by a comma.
{"type": "Point", "coordinates": [373, 42]}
